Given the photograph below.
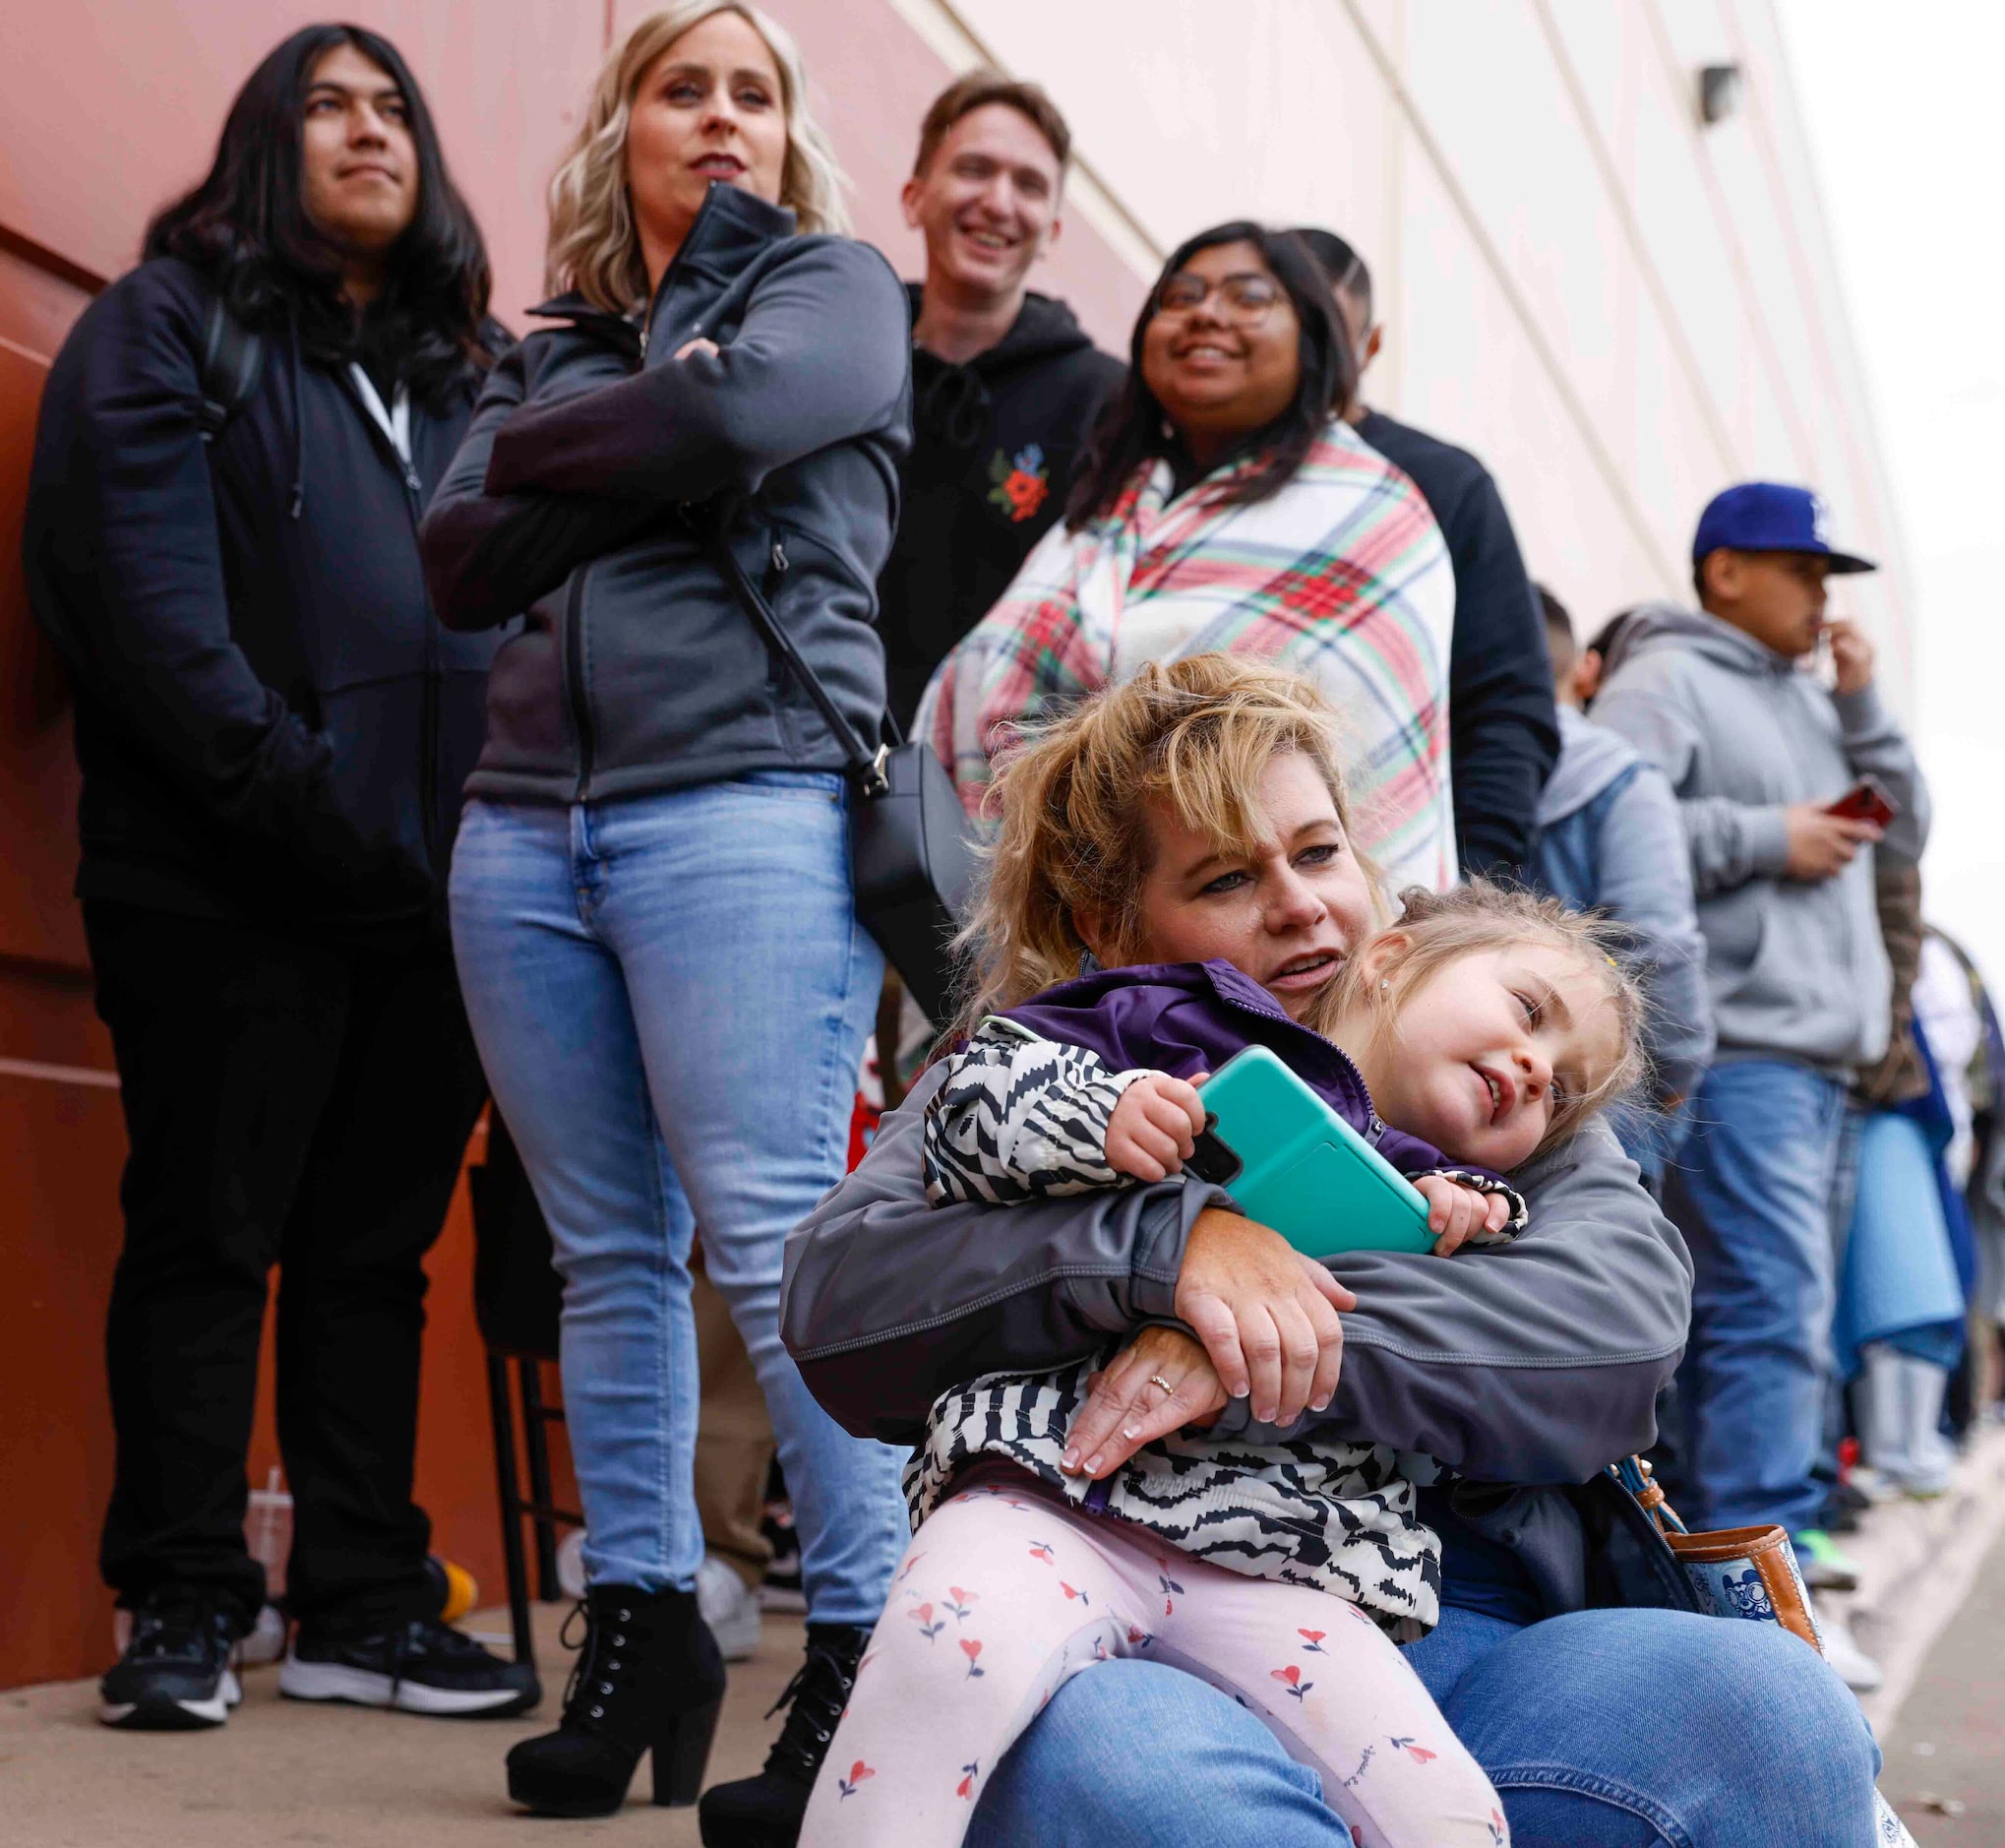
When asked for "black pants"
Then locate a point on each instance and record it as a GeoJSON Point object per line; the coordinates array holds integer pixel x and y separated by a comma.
{"type": "Point", "coordinates": [292, 1103]}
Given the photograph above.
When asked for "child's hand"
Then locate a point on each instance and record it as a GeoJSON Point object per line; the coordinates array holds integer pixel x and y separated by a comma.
{"type": "Point", "coordinates": [1457, 1213]}
{"type": "Point", "coordinates": [1154, 1127]}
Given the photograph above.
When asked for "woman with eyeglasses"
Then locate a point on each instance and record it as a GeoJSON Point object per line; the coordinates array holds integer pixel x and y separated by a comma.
{"type": "Point", "coordinates": [1226, 505]}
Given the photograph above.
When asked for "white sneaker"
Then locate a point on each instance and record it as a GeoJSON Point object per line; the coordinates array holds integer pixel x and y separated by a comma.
{"type": "Point", "coordinates": [1856, 1669]}
{"type": "Point", "coordinates": [266, 1641]}
{"type": "Point", "coordinates": [729, 1608]}
{"type": "Point", "coordinates": [571, 1563]}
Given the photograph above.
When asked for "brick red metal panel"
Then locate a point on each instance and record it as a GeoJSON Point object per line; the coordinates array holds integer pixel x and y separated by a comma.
{"type": "Point", "coordinates": [106, 109]}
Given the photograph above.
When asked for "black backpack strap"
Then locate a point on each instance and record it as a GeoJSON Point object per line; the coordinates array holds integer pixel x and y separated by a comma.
{"type": "Point", "coordinates": [231, 358]}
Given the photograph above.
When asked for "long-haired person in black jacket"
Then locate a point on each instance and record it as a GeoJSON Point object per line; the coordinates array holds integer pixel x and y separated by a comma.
{"type": "Point", "coordinates": [651, 898]}
{"type": "Point", "coordinates": [272, 729]}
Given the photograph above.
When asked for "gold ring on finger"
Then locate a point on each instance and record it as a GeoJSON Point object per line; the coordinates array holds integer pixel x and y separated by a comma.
{"type": "Point", "coordinates": [1156, 1378]}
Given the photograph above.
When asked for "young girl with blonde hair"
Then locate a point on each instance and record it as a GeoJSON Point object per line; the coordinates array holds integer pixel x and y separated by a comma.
{"type": "Point", "coordinates": [1486, 1026]}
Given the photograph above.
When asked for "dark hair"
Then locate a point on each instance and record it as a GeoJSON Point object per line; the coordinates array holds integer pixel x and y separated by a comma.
{"type": "Point", "coordinates": [1605, 639]}
{"type": "Point", "coordinates": [976, 91]}
{"type": "Point", "coordinates": [1133, 428]}
{"type": "Point", "coordinates": [245, 227]}
{"type": "Point", "coordinates": [1560, 639]}
{"type": "Point", "coordinates": [1556, 618]}
{"type": "Point", "coordinates": [1346, 269]}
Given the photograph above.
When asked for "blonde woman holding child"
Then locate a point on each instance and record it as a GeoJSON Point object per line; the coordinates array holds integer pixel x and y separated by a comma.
{"type": "Point", "coordinates": [1236, 1493]}
{"type": "Point", "coordinates": [1486, 1026]}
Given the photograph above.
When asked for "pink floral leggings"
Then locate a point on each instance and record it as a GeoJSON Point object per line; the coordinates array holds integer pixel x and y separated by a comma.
{"type": "Point", "coordinates": [1005, 1592]}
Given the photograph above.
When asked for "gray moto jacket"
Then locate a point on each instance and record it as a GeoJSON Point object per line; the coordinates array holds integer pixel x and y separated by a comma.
{"type": "Point", "coordinates": [1538, 1362]}
{"type": "Point", "coordinates": [595, 467]}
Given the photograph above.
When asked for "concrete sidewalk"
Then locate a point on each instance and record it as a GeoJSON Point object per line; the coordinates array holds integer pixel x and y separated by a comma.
{"type": "Point", "coordinates": [1945, 1769]}
{"type": "Point", "coordinates": [1933, 1605]}
{"type": "Point", "coordinates": [284, 1772]}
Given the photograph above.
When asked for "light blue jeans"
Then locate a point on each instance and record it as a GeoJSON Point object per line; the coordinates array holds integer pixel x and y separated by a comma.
{"type": "Point", "coordinates": [1605, 1729]}
{"type": "Point", "coordinates": [670, 994]}
{"type": "Point", "coordinates": [1752, 1192]}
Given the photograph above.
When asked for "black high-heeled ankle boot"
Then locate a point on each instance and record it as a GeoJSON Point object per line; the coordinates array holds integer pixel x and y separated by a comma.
{"type": "Point", "coordinates": [766, 1811]}
{"type": "Point", "coordinates": [648, 1678]}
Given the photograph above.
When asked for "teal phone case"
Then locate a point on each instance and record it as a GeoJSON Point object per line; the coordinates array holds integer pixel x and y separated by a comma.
{"type": "Point", "coordinates": [1300, 1168]}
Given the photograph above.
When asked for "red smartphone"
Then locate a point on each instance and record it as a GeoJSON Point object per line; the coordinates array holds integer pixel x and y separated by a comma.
{"type": "Point", "coordinates": [1865, 801]}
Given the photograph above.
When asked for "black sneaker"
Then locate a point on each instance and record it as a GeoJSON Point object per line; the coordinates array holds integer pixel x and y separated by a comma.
{"type": "Point", "coordinates": [416, 1667]}
{"type": "Point", "coordinates": [175, 1675]}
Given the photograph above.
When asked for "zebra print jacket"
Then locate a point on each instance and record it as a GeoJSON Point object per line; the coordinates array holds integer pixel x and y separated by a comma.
{"type": "Point", "coordinates": [1338, 1518]}
{"type": "Point", "coordinates": [1019, 1116]}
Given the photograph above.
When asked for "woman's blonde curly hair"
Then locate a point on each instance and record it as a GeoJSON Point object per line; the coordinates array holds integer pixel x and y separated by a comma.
{"type": "Point", "coordinates": [593, 246]}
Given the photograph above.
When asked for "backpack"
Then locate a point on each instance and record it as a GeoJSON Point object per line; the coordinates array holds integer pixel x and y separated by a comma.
{"type": "Point", "coordinates": [232, 357]}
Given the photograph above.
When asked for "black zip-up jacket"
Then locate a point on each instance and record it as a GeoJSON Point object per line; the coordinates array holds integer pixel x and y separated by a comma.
{"type": "Point", "coordinates": [637, 671]}
{"type": "Point", "coordinates": [1503, 732]}
{"type": "Point", "coordinates": [993, 447]}
{"type": "Point", "coordinates": [272, 726]}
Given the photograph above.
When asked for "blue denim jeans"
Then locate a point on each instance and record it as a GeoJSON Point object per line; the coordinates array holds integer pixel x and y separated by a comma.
{"type": "Point", "coordinates": [1605, 1729]}
{"type": "Point", "coordinates": [1752, 1192]}
{"type": "Point", "coordinates": [670, 994]}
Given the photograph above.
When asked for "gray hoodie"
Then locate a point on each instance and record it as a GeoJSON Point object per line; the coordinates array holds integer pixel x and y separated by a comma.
{"type": "Point", "coordinates": [1795, 966]}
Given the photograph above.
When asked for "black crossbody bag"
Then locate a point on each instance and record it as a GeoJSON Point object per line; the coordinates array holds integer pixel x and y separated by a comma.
{"type": "Point", "coordinates": [911, 857]}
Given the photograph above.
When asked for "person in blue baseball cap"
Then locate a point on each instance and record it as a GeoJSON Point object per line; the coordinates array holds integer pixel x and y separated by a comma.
{"type": "Point", "coordinates": [1762, 756]}
{"type": "Point", "coordinates": [1759, 561]}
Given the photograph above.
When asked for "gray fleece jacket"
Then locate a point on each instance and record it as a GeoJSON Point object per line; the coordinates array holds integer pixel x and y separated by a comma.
{"type": "Point", "coordinates": [636, 670]}
{"type": "Point", "coordinates": [1538, 1362]}
{"type": "Point", "coordinates": [1796, 968]}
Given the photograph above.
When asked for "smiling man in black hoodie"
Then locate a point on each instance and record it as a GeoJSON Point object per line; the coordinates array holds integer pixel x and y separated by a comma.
{"type": "Point", "coordinates": [1005, 383]}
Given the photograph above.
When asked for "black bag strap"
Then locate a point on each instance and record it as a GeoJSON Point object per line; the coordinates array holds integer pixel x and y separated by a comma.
{"type": "Point", "coordinates": [233, 356]}
{"type": "Point", "coordinates": [865, 765]}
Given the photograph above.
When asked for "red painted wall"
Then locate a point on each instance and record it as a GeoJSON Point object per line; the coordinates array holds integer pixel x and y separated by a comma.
{"type": "Point", "coordinates": [106, 109]}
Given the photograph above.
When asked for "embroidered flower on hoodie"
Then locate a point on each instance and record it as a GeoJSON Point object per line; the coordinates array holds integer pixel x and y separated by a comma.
{"type": "Point", "coordinates": [1021, 483]}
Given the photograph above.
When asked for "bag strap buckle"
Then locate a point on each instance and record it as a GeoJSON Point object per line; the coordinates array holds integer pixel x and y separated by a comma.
{"type": "Point", "coordinates": [876, 780]}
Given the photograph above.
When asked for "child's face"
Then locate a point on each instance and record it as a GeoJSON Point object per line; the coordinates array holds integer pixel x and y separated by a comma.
{"type": "Point", "coordinates": [1485, 1051]}
{"type": "Point", "coordinates": [1287, 916]}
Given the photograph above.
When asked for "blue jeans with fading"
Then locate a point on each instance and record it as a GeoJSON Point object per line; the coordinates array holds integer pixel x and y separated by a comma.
{"type": "Point", "coordinates": [1751, 1193]}
{"type": "Point", "coordinates": [1603, 1729]}
{"type": "Point", "coordinates": [670, 994]}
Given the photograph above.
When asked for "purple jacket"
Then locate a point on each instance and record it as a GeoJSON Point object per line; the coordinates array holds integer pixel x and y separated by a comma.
{"type": "Point", "coordinates": [1186, 1017]}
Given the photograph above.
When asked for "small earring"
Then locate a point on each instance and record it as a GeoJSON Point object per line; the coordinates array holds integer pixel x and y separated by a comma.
{"type": "Point", "coordinates": [1385, 985]}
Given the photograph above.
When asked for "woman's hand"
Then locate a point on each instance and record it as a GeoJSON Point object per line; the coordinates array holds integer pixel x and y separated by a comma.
{"type": "Point", "coordinates": [1128, 1406]}
{"type": "Point", "coordinates": [1456, 1213]}
{"type": "Point", "coordinates": [1267, 1316]}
